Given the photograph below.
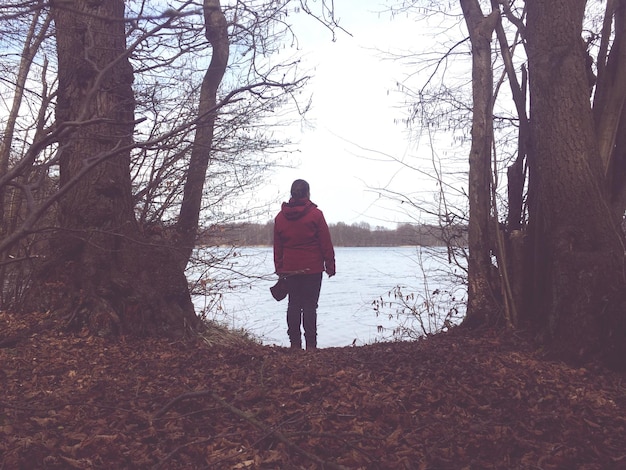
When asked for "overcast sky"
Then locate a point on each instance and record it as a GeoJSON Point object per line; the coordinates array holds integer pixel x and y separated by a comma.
{"type": "Point", "coordinates": [356, 118]}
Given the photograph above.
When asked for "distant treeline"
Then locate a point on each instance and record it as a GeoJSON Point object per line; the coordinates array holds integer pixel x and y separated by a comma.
{"type": "Point", "coordinates": [361, 234]}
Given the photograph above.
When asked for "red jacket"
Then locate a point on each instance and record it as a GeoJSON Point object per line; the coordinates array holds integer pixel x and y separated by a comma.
{"type": "Point", "coordinates": [302, 240]}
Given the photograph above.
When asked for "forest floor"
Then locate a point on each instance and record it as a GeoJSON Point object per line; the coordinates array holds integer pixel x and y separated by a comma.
{"type": "Point", "coordinates": [459, 400]}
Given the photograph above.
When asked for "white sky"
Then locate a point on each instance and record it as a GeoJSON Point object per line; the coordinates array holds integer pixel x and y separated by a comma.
{"type": "Point", "coordinates": [356, 110]}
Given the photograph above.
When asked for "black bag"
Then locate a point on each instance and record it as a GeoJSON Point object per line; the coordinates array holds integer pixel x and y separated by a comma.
{"type": "Point", "coordinates": [279, 290]}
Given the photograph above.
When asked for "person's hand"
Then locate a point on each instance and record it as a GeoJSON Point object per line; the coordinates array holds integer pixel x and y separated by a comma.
{"type": "Point", "coordinates": [330, 273]}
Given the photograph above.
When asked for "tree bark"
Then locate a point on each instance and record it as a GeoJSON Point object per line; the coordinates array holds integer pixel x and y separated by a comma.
{"type": "Point", "coordinates": [482, 304]}
{"type": "Point", "coordinates": [578, 269]}
{"type": "Point", "coordinates": [611, 86]}
{"type": "Point", "coordinates": [608, 104]}
{"type": "Point", "coordinates": [104, 274]}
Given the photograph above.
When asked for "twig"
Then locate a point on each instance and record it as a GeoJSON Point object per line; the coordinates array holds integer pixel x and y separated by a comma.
{"type": "Point", "coordinates": [9, 342]}
{"type": "Point", "coordinates": [255, 422]}
{"type": "Point", "coordinates": [184, 396]}
{"type": "Point", "coordinates": [172, 453]}
{"type": "Point", "coordinates": [280, 436]}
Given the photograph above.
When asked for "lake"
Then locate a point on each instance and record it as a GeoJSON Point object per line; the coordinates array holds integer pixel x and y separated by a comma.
{"type": "Point", "coordinates": [367, 301]}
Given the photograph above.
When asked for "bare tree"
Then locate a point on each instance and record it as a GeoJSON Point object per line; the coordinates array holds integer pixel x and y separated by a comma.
{"type": "Point", "coordinates": [23, 179]}
{"type": "Point", "coordinates": [575, 221]}
{"type": "Point", "coordinates": [481, 285]}
{"type": "Point", "coordinates": [129, 209]}
{"type": "Point", "coordinates": [100, 271]}
{"type": "Point", "coordinates": [555, 243]}
{"type": "Point", "coordinates": [217, 35]}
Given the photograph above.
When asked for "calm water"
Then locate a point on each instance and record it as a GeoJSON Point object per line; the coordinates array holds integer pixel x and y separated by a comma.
{"type": "Point", "coordinates": [346, 313]}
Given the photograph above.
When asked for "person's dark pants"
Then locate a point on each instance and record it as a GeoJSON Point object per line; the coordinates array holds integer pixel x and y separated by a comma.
{"type": "Point", "coordinates": [304, 292]}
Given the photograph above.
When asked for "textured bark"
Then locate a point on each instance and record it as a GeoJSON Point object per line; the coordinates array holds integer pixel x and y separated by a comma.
{"type": "Point", "coordinates": [611, 85]}
{"type": "Point", "coordinates": [578, 279]}
{"type": "Point", "coordinates": [482, 292]}
{"type": "Point", "coordinates": [103, 273]}
{"type": "Point", "coordinates": [608, 105]}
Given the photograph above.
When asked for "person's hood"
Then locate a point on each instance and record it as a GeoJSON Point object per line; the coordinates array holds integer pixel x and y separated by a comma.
{"type": "Point", "coordinates": [296, 208]}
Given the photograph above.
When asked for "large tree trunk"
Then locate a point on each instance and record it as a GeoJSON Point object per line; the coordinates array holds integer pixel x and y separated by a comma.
{"type": "Point", "coordinates": [578, 271]}
{"type": "Point", "coordinates": [482, 305]}
{"type": "Point", "coordinates": [103, 272]}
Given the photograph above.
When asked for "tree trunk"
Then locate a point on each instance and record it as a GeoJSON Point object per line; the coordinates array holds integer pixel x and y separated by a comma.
{"type": "Point", "coordinates": [578, 278]}
{"type": "Point", "coordinates": [217, 34]}
{"type": "Point", "coordinates": [608, 104]}
{"type": "Point", "coordinates": [482, 304]}
{"type": "Point", "coordinates": [103, 273]}
{"type": "Point", "coordinates": [611, 86]}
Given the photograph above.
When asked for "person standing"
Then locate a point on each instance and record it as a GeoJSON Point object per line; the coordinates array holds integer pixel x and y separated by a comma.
{"type": "Point", "coordinates": [303, 251]}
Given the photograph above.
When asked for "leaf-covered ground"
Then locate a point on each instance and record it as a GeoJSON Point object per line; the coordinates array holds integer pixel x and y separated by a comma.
{"type": "Point", "coordinates": [454, 401]}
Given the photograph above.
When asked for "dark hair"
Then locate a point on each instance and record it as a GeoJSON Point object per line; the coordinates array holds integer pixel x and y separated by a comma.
{"type": "Point", "coordinates": [300, 189]}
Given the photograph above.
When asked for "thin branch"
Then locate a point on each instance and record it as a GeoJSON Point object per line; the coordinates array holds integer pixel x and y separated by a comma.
{"type": "Point", "coordinates": [252, 420]}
